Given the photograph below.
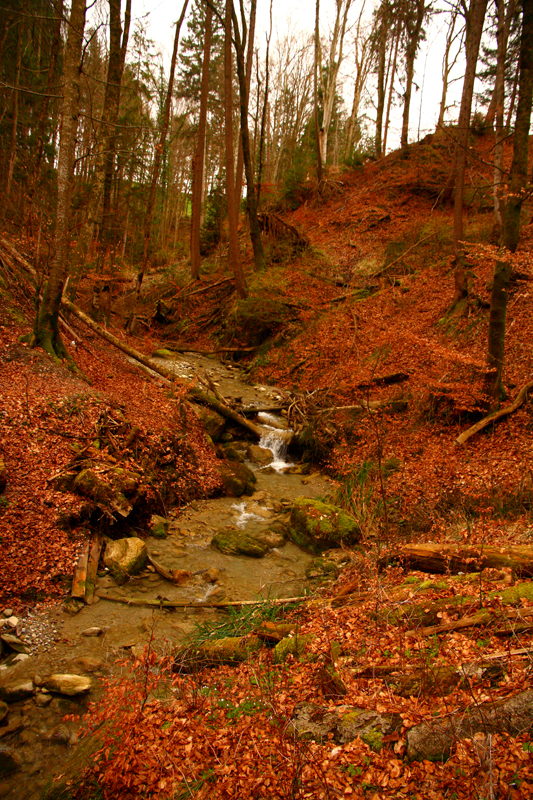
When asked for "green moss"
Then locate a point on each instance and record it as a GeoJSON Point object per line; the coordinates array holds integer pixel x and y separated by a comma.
{"type": "Point", "coordinates": [411, 580]}
{"type": "Point", "coordinates": [513, 594]}
{"type": "Point", "coordinates": [290, 646]}
{"type": "Point", "coordinates": [374, 739]}
{"type": "Point", "coordinates": [239, 543]}
{"type": "Point", "coordinates": [317, 526]}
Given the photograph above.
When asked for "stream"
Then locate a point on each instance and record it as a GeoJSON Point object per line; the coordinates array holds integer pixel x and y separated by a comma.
{"type": "Point", "coordinates": [94, 640]}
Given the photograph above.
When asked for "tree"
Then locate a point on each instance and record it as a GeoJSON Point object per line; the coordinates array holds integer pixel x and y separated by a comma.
{"type": "Point", "coordinates": [474, 28]}
{"type": "Point", "coordinates": [453, 35]}
{"type": "Point", "coordinates": [46, 328]}
{"type": "Point", "coordinates": [415, 12]}
{"type": "Point", "coordinates": [329, 72]}
{"type": "Point", "coordinates": [511, 213]}
{"type": "Point", "coordinates": [363, 59]}
{"type": "Point", "coordinates": [198, 161]}
{"type": "Point", "coordinates": [233, 220]}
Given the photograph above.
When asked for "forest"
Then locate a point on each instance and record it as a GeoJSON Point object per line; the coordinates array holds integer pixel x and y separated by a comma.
{"type": "Point", "coordinates": [266, 364]}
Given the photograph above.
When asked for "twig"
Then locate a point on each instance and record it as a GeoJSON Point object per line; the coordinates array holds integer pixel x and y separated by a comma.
{"type": "Point", "coordinates": [503, 412]}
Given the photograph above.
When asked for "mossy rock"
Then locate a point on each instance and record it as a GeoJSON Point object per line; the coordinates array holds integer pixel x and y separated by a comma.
{"type": "Point", "coordinates": [290, 646]}
{"type": "Point", "coordinates": [230, 650]}
{"type": "Point", "coordinates": [168, 355]}
{"type": "Point", "coordinates": [322, 568]}
{"type": "Point", "coordinates": [118, 492]}
{"type": "Point", "coordinates": [125, 557]}
{"type": "Point", "coordinates": [316, 526]}
{"type": "Point", "coordinates": [237, 479]}
{"type": "Point", "coordinates": [238, 543]}
{"type": "Point", "coordinates": [160, 527]}
{"type": "Point", "coordinates": [231, 453]}
{"type": "Point", "coordinates": [213, 423]}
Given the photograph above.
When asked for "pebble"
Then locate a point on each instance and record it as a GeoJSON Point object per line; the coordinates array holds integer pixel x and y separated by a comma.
{"type": "Point", "coordinates": [7, 612]}
{"type": "Point", "coordinates": [92, 632]}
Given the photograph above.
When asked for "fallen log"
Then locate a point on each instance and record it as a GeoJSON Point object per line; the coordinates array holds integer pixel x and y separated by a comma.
{"type": "Point", "coordinates": [484, 616]}
{"type": "Point", "coordinates": [433, 741]}
{"type": "Point", "coordinates": [92, 568]}
{"type": "Point", "coordinates": [79, 578]}
{"type": "Point", "coordinates": [492, 418]}
{"type": "Point", "coordinates": [448, 558]}
{"type": "Point", "coordinates": [193, 604]}
{"type": "Point", "coordinates": [193, 391]}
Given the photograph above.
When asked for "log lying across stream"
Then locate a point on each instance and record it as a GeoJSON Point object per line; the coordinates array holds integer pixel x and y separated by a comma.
{"type": "Point", "coordinates": [448, 558]}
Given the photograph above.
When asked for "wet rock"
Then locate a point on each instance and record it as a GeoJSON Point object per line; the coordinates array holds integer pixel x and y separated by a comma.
{"type": "Point", "coordinates": [237, 479]}
{"type": "Point", "coordinates": [13, 642]}
{"type": "Point", "coordinates": [213, 423]}
{"type": "Point", "coordinates": [125, 557]}
{"type": "Point", "coordinates": [11, 622]}
{"type": "Point", "coordinates": [18, 659]}
{"type": "Point", "coordinates": [73, 606]}
{"type": "Point", "coordinates": [15, 691]}
{"type": "Point", "coordinates": [68, 684]}
{"type": "Point", "coordinates": [180, 576]}
{"type": "Point", "coordinates": [10, 761]}
{"type": "Point", "coordinates": [239, 543]}
{"type": "Point", "coordinates": [231, 453]}
{"type": "Point", "coordinates": [315, 722]}
{"type": "Point", "coordinates": [92, 632]}
{"type": "Point", "coordinates": [88, 664]}
{"type": "Point", "coordinates": [271, 538]}
{"type": "Point", "coordinates": [42, 700]}
{"type": "Point", "coordinates": [211, 575]}
{"type": "Point", "coordinates": [317, 526]}
{"type": "Point", "coordinates": [259, 455]}
{"type": "Point", "coordinates": [60, 735]}
{"type": "Point", "coordinates": [4, 710]}
{"type": "Point", "coordinates": [160, 527]}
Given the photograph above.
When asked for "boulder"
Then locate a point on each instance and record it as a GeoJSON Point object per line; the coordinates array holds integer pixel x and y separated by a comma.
{"type": "Point", "coordinates": [259, 455]}
{"type": "Point", "coordinates": [125, 557]}
{"type": "Point", "coordinates": [10, 761]}
{"type": "Point", "coordinates": [68, 684]}
{"type": "Point", "coordinates": [238, 543]}
{"type": "Point", "coordinates": [212, 422]}
{"type": "Point", "coordinates": [13, 642]}
{"type": "Point", "coordinates": [311, 721]}
{"type": "Point", "coordinates": [316, 526]}
{"type": "Point", "coordinates": [15, 691]}
{"type": "Point", "coordinates": [237, 479]}
{"type": "Point", "coordinates": [231, 453]}
{"type": "Point", "coordinates": [160, 526]}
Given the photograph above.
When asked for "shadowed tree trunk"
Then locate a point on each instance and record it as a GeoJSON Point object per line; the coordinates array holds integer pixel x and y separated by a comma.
{"type": "Point", "coordinates": [198, 161]}
{"type": "Point", "coordinates": [233, 219]}
{"type": "Point", "coordinates": [474, 29]}
{"type": "Point", "coordinates": [264, 113]}
{"type": "Point", "coordinates": [511, 214]}
{"type": "Point", "coordinates": [46, 328]}
{"type": "Point", "coordinates": [413, 26]}
{"type": "Point", "coordinates": [315, 95]}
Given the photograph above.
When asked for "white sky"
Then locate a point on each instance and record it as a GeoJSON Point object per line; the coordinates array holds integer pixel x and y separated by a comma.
{"type": "Point", "coordinates": [161, 15]}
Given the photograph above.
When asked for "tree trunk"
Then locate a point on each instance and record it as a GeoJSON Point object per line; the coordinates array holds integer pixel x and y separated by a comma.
{"type": "Point", "coordinates": [381, 88]}
{"type": "Point", "coordinates": [249, 63]}
{"type": "Point", "coordinates": [262, 133]}
{"type": "Point", "coordinates": [233, 219]}
{"type": "Point", "coordinates": [251, 196]}
{"type": "Point", "coordinates": [410, 56]}
{"type": "Point", "coordinates": [21, 28]}
{"type": "Point", "coordinates": [474, 29]}
{"type": "Point", "coordinates": [392, 66]}
{"type": "Point", "coordinates": [329, 79]}
{"type": "Point", "coordinates": [499, 99]}
{"type": "Point", "coordinates": [317, 61]}
{"type": "Point", "coordinates": [46, 327]}
{"type": "Point", "coordinates": [448, 64]}
{"type": "Point", "coordinates": [442, 558]}
{"type": "Point", "coordinates": [511, 216]}
{"type": "Point", "coordinates": [198, 161]}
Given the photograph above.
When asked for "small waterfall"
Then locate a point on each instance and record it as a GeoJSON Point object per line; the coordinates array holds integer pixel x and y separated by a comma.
{"type": "Point", "coordinates": [276, 437]}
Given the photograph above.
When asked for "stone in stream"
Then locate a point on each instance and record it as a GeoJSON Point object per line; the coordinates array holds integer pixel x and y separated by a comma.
{"type": "Point", "coordinates": [238, 543]}
{"type": "Point", "coordinates": [160, 526]}
{"type": "Point", "coordinates": [15, 691]}
{"type": "Point", "coordinates": [259, 455]}
{"type": "Point", "coordinates": [125, 557]}
{"type": "Point", "coordinates": [237, 479]}
{"type": "Point", "coordinates": [317, 526]}
{"type": "Point", "coordinates": [10, 761]}
{"type": "Point", "coordinates": [68, 684]}
{"type": "Point", "coordinates": [213, 423]}
{"type": "Point", "coordinates": [88, 663]}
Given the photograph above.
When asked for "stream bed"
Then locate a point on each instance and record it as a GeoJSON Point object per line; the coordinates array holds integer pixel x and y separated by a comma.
{"type": "Point", "coordinates": [94, 641]}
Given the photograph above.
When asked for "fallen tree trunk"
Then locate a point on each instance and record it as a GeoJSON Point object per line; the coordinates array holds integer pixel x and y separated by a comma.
{"type": "Point", "coordinates": [503, 412]}
{"type": "Point", "coordinates": [448, 558]}
{"type": "Point", "coordinates": [79, 578]}
{"type": "Point", "coordinates": [177, 604]}
{"type": "Point", "coordinates": [193, 391]}
{"type": "Point", "coordinates": [92, 568]}
{"type": "Point", "coordinates": [433, 741]}
{"type": "Point", "coordinates": [482, 617]}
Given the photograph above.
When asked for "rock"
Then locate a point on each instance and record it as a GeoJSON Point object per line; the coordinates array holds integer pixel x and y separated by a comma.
{"type": "Point", "coordinates": [68, 684]}
{"type": "Point", "coordinates": [4, 710]}
{"type": "Point", "coordinates": [125, 557]}
{"type": "Point", "coordinates": [15, 691]}
{"type": "Point", "coordinates": [92, 632]}
{"type": "Point", "coordinates": [238, 543]}
{"type": "Point", "coordinates": [315, 722]}
{"type": "Point", "coordinates": [10, 761]}
{"type": "Point", "coordinates": [14, 642]}
{"type": "Point", "coordinates": [168, 355]}
{"type": "Point", "coordinates": [213, 423]}
{"type": "Point", "coordinates": [231, 453]}
{"type": "Point", "coordinates": [60, 735]}
{"type": "Point", "coordinates": [160, 526]}
{"type": "Point", "coordinates": [88, 664]}
{"type": "Point", "coordinates": [180, 576]}
{"type": "Point", "coordinates": [317, 526]}
{"type": "Point", "coordinates": [7, 612]}
{"type": "Point", "coordinates": [72, 606]}
{"type": "Point", "coordinates": [3, 476]}
{"type": "Point", "coordinates": [322, 568]}
{"type": "Point", "coordinates": [211, 575]}
{"type": "Point", "coordinates": [259, 455]}
{"type": "Point", "coordinates": [237, 479]}
{"type": "Point", "coordinates": [42, 700]}
{"type": "Point", "coordinates": [19, 658]}
{"type": "Point", "coordinates": [11, 622]}
{"type": "Point", "coordinates": [272, 537]}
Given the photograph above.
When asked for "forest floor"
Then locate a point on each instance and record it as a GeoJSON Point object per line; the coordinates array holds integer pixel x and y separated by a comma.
{"type": "Point", "coordinates": [368, 299]}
